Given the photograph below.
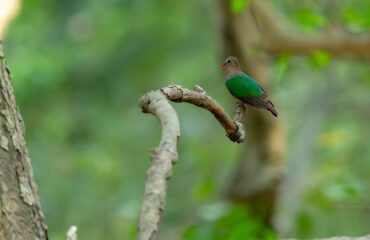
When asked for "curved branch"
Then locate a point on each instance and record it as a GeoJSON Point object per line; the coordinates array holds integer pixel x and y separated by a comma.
{"type": "Point", "coordinates": [233, 128]}
{"type": "Point", "coordinates": [162, 158]}
{"type": "Point", "coordinates": [165, 155]}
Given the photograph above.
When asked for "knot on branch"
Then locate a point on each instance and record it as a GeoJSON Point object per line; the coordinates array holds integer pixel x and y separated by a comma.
{"type": "Point", "coordinates": [144, 102]}
{"type": "Point", "coordinates": [173, 92]}
{"type": "Point", "coordinates": [239, 135]}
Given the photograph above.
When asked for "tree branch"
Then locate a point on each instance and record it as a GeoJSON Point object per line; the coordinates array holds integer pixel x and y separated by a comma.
{"type": "Point", "coordinates": [233, 128]}
{"type": "Point", "coordinates": [279, 36]}
{"type": "Point", "coordinates": [165, 155]}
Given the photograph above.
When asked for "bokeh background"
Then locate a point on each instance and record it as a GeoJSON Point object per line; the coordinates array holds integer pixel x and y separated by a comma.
{"type": "Point", "coordinates": [79, 68]}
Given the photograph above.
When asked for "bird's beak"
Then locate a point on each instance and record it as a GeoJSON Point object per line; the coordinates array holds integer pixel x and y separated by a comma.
{"type": "Point", "coordinates": [223, 65]}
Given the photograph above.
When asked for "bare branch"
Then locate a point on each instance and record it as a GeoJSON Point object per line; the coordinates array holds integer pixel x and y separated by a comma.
{"type": "Point", "coordinates": [239, 118]}
{"type": "Point", "coordinates": [239, 112]}
{"type": "Point", "coordinates": [279, 36]}
{"type": "Point", "coordinates": [165, 155]}
{"type": "Point", "coordinates": [201, 99]}
{"type": "Point", "coordinates": [162, 158]}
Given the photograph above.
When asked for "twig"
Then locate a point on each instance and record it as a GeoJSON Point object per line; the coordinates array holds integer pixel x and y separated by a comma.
{"type": "Point", "coordinates": [165, 155]}
{"type": "Point", "coordinates": [72, 233]}
{"type": "Point", "coordinates": [239, 118]}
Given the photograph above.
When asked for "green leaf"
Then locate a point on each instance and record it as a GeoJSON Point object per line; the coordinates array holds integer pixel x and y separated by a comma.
{"type": "Point", "coordinates": [357, 19]}
{"type": "Point", "coordinates": [238, 5]}
{"type": "Point", "coordinates": [320, 59]}
{"type": "Point", "coordinates": [310, 20]}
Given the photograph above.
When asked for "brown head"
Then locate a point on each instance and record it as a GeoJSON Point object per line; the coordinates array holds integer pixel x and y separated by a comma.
{"type": "Point", "coordinates": [231, 62]}
{"type": "Point", "coordinates": [231, 65]}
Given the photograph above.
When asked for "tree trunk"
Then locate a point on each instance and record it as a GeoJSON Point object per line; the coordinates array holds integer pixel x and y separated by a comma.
{"type": "Point", "coordinates": [21, 214]}
{"type": "Point", "coordinates": [259, 172]}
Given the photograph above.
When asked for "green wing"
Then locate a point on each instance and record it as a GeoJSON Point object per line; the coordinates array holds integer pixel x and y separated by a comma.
{"type": "Point", "coordinates": [240, 85]}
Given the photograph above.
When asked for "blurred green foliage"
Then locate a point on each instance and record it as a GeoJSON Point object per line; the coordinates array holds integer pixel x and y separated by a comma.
{"type": "Point", "coordinates": [236, 224]}
{"type": "Point", "coordinates": [320, 59]}
{"type": "Point", "coordinates": [79, 68]}
{"type": "Point", "coordinates": [238, 5]}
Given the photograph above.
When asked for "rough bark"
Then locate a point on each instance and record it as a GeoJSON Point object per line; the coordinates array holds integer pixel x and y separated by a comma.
{"type": "Point", "coordinates": [21, 214]}
{"type": "Point", "coordinates": [165, 155]}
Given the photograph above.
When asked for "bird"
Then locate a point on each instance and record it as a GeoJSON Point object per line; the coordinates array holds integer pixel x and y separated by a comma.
{"type": "Point", "coordinates": [244, 87]}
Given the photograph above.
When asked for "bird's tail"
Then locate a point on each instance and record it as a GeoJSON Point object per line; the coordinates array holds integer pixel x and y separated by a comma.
{"type": "Point", "coordinates": [270, 107]}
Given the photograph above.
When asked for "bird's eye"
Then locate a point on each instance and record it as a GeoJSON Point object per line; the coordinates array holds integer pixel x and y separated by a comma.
{"type": "Point", "coordinates": [228, 61]}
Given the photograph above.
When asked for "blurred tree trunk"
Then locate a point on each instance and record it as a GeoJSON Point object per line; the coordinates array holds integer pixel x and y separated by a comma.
{"type": "Point", "coordinates": [258, 175]}
{"type": "Point", "coordinates": [21, 214]}
{"type": "Point", "coordinates": [253, 35]}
